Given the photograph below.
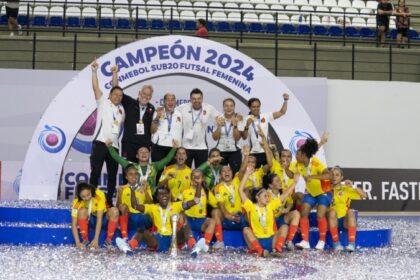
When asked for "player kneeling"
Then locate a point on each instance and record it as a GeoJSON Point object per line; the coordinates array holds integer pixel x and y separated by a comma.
{"type": "Point", "coordinates": [88, 210]}
{"type": "Point", "coordinates": [130, 218]}
{"type": "Point", "coordinates": [262, 236]}
{"type": "Point", "coordinates": [196, 215]}
{"type": "Point", "coordinates": [160, 213]}
{"type": "Point", "coordinates": [340, 216]}
{"type": "Point", "coordinates": [228, 215]}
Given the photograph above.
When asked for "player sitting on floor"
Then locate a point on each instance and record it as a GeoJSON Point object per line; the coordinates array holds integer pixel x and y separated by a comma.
{"type": "Point", "coordinates": [130, 218]}
{"type": "Point", "coordinates": [160, 213]}
{"type": "Point", "coordinates": [88, 211]}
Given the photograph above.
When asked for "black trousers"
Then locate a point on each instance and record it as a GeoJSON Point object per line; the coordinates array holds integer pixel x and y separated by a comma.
{"type": "Point", "coordinates": [198, 156]}
{"type": "Point", "coordinates": [99, 155]}
{"type": "Point", "coordinates": [158, 153]}
{"type": "Point", "coordinates": [261, 159]}
{"type": "Point", "coordinates": [234, 159]}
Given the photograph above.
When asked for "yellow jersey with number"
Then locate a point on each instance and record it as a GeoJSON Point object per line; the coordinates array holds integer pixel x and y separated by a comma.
{"type": "Point", "coordinates": [158, 214]}
{"type": "Point", "coordinates": [229, 196]}
{"type": "Point", "coordinates": [181, 181]}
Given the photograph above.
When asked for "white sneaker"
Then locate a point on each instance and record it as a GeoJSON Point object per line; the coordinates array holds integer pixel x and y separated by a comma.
{"type": "Point", "coordinates": [20, 32]}
{"type": "Point", "coordinates": [123, 245]}
{"type": "Point", "coordinates": [12, 34]}
{"type": "Point", "coordinates": [218, 245]}
{"type": "Point", "coordinates": [320, 245]}
{"type": "Point", "coordinates": [351, 247]}
{"type": "Point", "coordinates": [303, 245]}
{"type": "Point", "coordinates": [200, 246]}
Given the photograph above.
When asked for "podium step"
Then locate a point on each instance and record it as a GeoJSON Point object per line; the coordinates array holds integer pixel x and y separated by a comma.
{"type": "Point", "coordinates": [53, 226]}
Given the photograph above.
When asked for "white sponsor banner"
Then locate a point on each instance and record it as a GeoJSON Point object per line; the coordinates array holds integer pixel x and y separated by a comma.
{"type": "Point", "coordinates": [151, 61]}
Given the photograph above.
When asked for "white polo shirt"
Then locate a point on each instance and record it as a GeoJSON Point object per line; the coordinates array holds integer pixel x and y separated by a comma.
{"type": "Point", "coordinates": [253, 138]}
{"type": "Point", "coordinates": [194, 125]}
{"type": "Point", "coordinates": [169, 128]}
{"type": "Point", "coordinates": [109, 119]}
{"type": "Point", "coordinates": [227, 142]}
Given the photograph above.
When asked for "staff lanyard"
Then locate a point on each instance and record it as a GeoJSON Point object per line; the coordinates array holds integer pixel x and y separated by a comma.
{"type": "Point", "coordinates": [197, 116]}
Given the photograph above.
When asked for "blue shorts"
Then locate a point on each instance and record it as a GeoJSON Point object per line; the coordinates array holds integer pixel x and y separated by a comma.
{"type": "Point", "coordinates": [322, 199]}
{"type": "Point", "coordinates": [196, 223]}
{"type": "Point", "coordinates": [231, 225]}
{"type": "Point", "coordinates": [139, 221]}
{"type": "Point", "coordinates": [340, 224]}
{"type": "Point", "coordinates": [93, 219]}
{"type": "Point", "coordinates": [164, 242]}
{"type": "Point", "coordinates": [280, 221]}
{"type": "Point", "coordinates": [266, 243]}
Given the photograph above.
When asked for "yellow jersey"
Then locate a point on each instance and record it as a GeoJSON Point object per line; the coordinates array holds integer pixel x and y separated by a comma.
{"type": "Point", "coordinates": [212, 201]}
{"type": "Point", "coordinates": [140, 196]}
{"type": "Point", "coordinates": [97, 203]}
{"type": "Point", "coordinates": [261, 219]}
{"type": "Point", "coordinates": [315, 187]}
{"type": "Point", "coordinates": [181, 181]}
{"type": "Point", "coordinates": [161, 217]}
{"type": "Point", "coordinates": [277, 169]}
{"type": "Point", "coordinates": [342, 197]}
{"type": "Point", "coordinates": [254, 181]}
{"type": "Point", "coordinates": [198, 210]}
{"type": "Point", "coordinates": [281, 205]}
{"type": "Point", "coordinates": [229, 196]}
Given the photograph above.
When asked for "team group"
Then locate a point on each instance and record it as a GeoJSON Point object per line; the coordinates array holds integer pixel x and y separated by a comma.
{"type": "Point", "coordinates": [253, 188]}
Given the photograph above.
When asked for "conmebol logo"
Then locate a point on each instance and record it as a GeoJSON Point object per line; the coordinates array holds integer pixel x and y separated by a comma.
{"type": "Point", "coordinates": [52, 139]}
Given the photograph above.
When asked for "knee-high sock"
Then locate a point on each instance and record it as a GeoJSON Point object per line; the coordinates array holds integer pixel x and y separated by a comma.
{"type": "Point", "coordinates": [279, 243]}
{"type": "Point", "coordinates": [84, 229]}
{"type": "Point", "coordinates": [334, 234]}
{"type": "Point", "coordinates": [112, 226]}
{"type": "Point", "coordinates": [219, 233]}
{"type": "Point", "coordinates": [255, 245]}
{"type": "Point", "coordinates": [322, 227]}
{"type": "Point", "coordinates": [292, 232]}
{"type": "Point", "coordinates": [352, 234]}
{"type": "Point", "coordinates": [208, 237]}
{"type": "Point", "coordinates": [304, 228]}
{"type": "Point", "coordinates": [124, 226]}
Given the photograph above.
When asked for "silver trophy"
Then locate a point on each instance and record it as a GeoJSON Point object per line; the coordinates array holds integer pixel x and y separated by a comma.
{"type": "Point", "coordinates": [173, 250]}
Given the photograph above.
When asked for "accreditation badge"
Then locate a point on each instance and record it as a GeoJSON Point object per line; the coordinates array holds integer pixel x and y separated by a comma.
{"type": "Point", "coordinates": [140, 128]}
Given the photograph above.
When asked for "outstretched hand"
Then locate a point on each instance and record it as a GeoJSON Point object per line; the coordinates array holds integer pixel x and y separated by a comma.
{"type": "Point", "coordinates": [324, 138]}
{"type": "Point", "coordinates": [94, 65]}
{"type": "Point", "coordinates": [114, 69]}
{"type": "Point", "coordinates": [175, 143]}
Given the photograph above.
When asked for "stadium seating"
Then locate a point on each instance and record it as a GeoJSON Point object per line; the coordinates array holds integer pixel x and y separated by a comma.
{"type": "Point", "coordinates": [321, 17]}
